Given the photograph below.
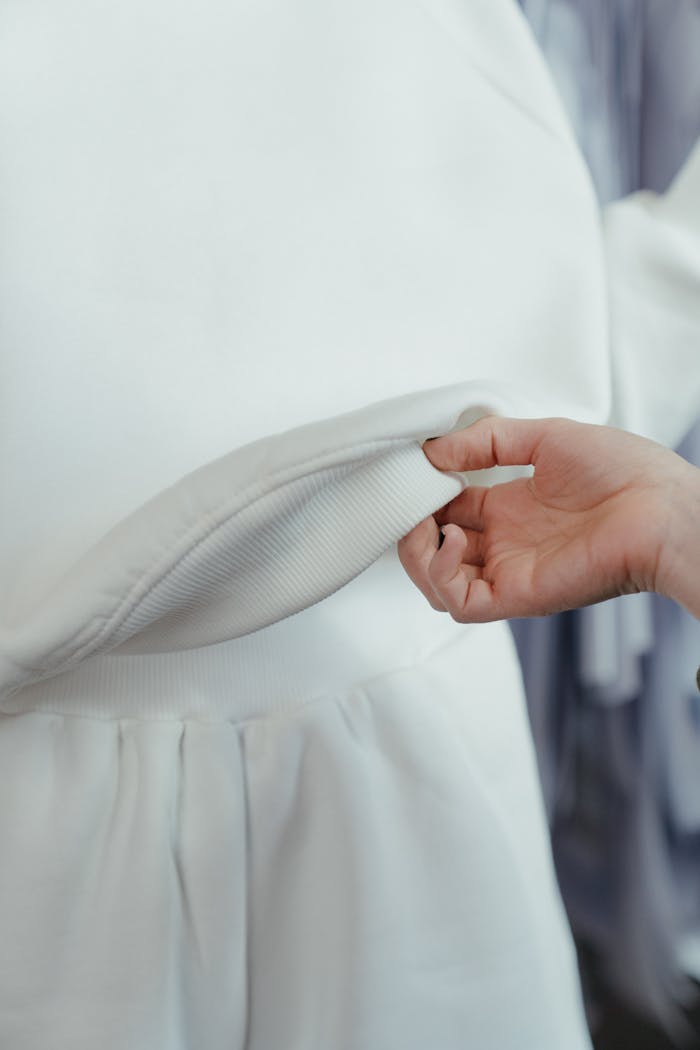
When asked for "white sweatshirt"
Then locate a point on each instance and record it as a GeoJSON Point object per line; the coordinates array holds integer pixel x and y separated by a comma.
{"type": "Point", "coordinates": [252, 255]}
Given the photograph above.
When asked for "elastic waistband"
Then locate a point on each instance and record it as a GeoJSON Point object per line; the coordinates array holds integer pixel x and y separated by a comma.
{"type": "Point", "coordinates": [376, 624]}
{"type": "Point", "coordinates": [220, 557]}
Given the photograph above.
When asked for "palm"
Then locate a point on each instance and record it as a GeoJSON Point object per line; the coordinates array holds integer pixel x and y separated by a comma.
{"type": "Point", "coordinates": [576, 532]}
{"type": "Point", "coordinates": [537, 545]}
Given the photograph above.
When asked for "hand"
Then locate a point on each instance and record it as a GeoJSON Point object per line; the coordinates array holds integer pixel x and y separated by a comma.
{"type": "Point", "coordinates": [605, 513]}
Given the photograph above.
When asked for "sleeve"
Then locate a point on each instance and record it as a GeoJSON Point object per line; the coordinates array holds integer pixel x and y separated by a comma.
{"type": "Point", "coordinates": [653, 253]}
{"type": "Point", "coordinates": [246, 540]}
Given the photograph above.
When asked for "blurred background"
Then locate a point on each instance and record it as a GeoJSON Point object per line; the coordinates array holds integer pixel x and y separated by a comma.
{"type": "Point", "coordinates": [611, 689]}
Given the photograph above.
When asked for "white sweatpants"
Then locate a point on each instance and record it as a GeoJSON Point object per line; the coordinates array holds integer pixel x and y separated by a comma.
{"type": "Point", "coordinates": [278, 843]}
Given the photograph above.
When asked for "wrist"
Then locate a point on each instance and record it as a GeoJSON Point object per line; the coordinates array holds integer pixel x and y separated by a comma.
{"type": "Point", "coordinates": [677, 574]}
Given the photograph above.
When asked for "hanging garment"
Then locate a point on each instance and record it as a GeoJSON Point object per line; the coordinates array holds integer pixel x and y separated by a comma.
{"type": "Point", "coordinates": [256, 793]}
{"type": "Point", "coordinates": [610, 688]}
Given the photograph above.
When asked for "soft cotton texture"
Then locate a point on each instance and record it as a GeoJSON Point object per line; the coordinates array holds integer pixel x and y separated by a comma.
{"type": "Point", "coordinates": [256, 792]}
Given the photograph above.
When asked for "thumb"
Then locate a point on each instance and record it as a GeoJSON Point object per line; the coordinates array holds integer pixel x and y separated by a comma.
{"type": "Point", "coordinates": [490, 442]}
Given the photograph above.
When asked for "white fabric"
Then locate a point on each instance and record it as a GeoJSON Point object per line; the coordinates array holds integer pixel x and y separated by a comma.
{"type": "Point", "coordinates": [288, 239]}
{"type": "Point", "coordinates": [653, 245]}
{"type": "Point", "coordinates": [262, 216]}
{"type": "Point", "coordinates": [366, 868]}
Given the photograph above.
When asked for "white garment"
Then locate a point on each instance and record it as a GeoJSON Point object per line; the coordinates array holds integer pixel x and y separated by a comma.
{"type": "Point", "coordinates": [653, 245]}
{"type": "Point", "coordinates": [224, 824]}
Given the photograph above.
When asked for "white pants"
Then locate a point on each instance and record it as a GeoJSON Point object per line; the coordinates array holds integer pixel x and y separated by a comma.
{"type": "Point", "coordinates": [327, 834]}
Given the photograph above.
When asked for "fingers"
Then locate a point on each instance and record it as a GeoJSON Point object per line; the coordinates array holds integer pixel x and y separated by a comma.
{"type": "Point", "coordinates": [489, 442]}
{"type": "Point", "coordinates": [456, 578]}
{"type": "Point", "coordinates": [473, 546]}
{"type": "Point", "coordinates": [449, 569]}
{"type": "Point", "coordinates": [416, 551]}
{"type": "Point", "coordinates": [449, 575]}
{"type": "Point", "coordinates": [466, 510]}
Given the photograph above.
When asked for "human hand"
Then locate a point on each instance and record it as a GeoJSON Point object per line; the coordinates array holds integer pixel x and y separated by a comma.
{"type": "Point", "coordinates": [605, 513]}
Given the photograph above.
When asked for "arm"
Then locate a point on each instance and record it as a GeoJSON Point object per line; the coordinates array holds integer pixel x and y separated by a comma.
{"type": "Point", "coordinates": [605, 513]}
